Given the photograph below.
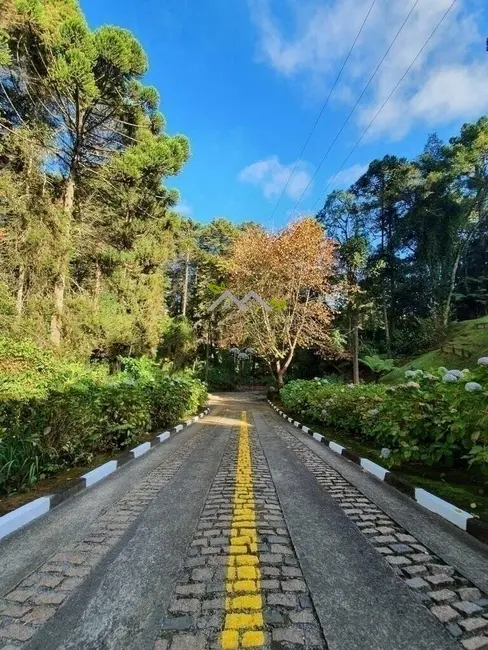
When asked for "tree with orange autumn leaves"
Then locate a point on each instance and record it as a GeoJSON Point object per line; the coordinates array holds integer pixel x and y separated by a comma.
{"type": "Point", "coordinates": [294, 272]}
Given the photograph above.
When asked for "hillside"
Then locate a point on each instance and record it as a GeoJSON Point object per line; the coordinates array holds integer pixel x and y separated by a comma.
{"type": "Point", "coordinates": [466, 338]}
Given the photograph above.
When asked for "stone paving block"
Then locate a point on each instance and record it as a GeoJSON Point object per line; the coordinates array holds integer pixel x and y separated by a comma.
{"type": "Point", "coordinates": [271, 558]}
{"type": "Point", "coordinates": [202, 575]}
{"type": "Point", "coordinates": [273, 571]}
{"type": "Point", "coordinates": [401, 548]}
{"type": "Point", "coordinates": [14, 611]}
{"type": "Point", "coordinates": [466, 607]}
{"type": "Point", "coordinates": [469, 593]}
{"type": "Point", "coordinates": [417, 583]}
{"type": "Point", "coordinates": [20, 595]}
{"type": "Point", "coordinates": [415, 570]}
{"type": "Point", "coordinates": [442, 596]}
{"type": "Point", "coordinates": [185, 606]}
{"type": "Point", "coordinates": [294, 585]}
{"type": "Point", "coordinates": [445, 613]}
{"type": "Point", "coordinates": [289, 634]}
{"type": "Point", "coordinates": [53, 598]}
{"type": "Point", "coordinates": [455, 630]}
{"type": "Point", "coordinates": [473, 624]}
{"type": "Point", "coordinates": [476, 643]}
{"type": "Point", "coordinates": [439, 579]}
{"type": "Point", "coordinates": [305, 616]}
{"type": "Point", "coordinates": [384, 539]}
{"type": "Point", "coordinates": [17, 632]}
{"type": "Point", "coordinates": [179, 623]}
{"type": "Point", "coordinates": [188, 642]}
{"type": "Point", "coordinates": [39, 614]}
{"type": "Point", "coordinates": [284, 600]}
{"type": "Point", "coordinates": [397, 560]}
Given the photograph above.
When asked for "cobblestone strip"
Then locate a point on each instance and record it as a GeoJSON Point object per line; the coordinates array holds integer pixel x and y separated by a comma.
{"type": "Point", "coordinates": [244, 622]}
{"type": "Point", "coordinates": [37, 598]}
{"type": "Point", "coordinates": [289, 614]}
{"type": "Point", "coordinates": [216, 603]}
{"type": "Point", "coordinates": [196, 613]}
{"type": "Point", "coordinates": [451, 598]}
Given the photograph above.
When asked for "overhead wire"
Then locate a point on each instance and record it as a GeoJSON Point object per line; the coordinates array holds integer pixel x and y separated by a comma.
{"type": "Point", "coordinates": [353, 110]}
{"type": "Point", "coordinates": [400, 81]}
{"type": "Point", "coordinates": [322, 110]}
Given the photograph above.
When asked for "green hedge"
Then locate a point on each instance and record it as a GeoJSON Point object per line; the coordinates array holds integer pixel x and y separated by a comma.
{"type": "Point", "coordinates": [438, 419]}
{"type": "Point", "coordinates": [75, 412]}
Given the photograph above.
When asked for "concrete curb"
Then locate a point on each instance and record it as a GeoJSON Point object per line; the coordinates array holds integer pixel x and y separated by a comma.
{"type": "Point", "coordinates": [22, 516]}
{"type": "Point", "coordinates": [464, 520]}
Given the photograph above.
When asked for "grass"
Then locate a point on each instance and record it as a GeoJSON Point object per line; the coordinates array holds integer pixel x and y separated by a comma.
{"type": "Point", "coordinates": [464, 488]}
{"type": "Point", "coordinates": [463, 335]}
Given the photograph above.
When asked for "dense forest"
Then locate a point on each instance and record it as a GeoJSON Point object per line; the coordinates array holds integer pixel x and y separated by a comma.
{"type": "Point", "coordinates": [106, 289]}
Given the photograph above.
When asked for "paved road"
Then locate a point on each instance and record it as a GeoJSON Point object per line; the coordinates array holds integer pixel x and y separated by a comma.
{"type": "Point", "coordinates": [242, 532]}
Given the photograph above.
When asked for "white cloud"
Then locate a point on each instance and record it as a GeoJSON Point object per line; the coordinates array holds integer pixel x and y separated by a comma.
{"type": "Point", "coordinates": [348, 176]}
{"type": "Point", "coordinates": [272, 176]}
{"type": "Point", "coordinates": [184, 209]}
{"type": "Point", "coordinates": [447, 83]}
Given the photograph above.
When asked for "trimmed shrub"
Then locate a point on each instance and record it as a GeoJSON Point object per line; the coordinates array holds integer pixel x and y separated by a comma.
{"type": "Point", "coordinates": [436, 418]}
{"type": "Point", "coordinates": [74, 412]}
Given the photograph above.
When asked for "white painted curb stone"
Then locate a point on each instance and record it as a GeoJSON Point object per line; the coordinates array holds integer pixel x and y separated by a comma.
{"type": "Point", "coordinates": [447, 510]}
{"type": "Point", "coordinates": [100, 472]}
{"type": "Point", "coordinates": [335, 447]}
{"type": "Point", "coordinates": [373, 468]}
{"type": "Point", "coordinates": [23, 515]}
{"type": "Point", "coordinates": [141, 449]}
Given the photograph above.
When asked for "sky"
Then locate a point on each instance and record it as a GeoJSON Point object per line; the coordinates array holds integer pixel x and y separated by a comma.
{"type": "Point", "coordinates": [246, 81]}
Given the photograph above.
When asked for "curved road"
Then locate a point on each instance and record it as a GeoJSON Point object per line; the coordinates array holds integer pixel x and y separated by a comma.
{"type": "Point", "coordinates": [242, 532]}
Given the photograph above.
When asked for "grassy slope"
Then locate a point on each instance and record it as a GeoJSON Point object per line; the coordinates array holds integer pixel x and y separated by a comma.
{"type": "Point", "coordinates": [462, 335]}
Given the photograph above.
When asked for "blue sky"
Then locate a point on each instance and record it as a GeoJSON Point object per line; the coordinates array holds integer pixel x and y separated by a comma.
{"type": "Point", "coordinates": [246, 79]}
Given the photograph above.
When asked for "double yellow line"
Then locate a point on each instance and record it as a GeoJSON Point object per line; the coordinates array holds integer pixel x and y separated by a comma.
{"type": "Point", "coordinates": [244, 624]}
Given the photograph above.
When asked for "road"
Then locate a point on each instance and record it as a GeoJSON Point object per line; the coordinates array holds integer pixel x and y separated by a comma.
{"type": "Point", "coordinates": [242, 532]}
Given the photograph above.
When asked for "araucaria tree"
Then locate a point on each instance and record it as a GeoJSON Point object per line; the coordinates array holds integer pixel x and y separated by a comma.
{"type": "Point", "coordinates": [293, 272]}
{"type": "Point", "coordinates": [88, 227]}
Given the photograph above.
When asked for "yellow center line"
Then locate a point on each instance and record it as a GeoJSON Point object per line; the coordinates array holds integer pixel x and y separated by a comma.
{"type": "Point", "coordinates": [244, 623]}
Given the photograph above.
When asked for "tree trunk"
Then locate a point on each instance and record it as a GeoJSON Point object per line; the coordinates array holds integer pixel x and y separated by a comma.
{"type": "Point", "coordinates": [387, 326]}
{"type": "Point", "coordinates": [98, 286]}
{"type": "Point", "coordinates": [452, 286]}
{"type": "Point", "coordinates": [355, 349]}
{"type": "Point", "coordinates": [19, 302]}
{"type": "Point", "coordinates": [60, 282]}
{"type": "Point", "coordinates": [184, 303]}
{"type": "Point", "coordinates": [280, 374]}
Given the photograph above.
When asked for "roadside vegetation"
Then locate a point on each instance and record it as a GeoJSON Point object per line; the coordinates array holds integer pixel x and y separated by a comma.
{"type": "Point", "coordinates": [107, 289]}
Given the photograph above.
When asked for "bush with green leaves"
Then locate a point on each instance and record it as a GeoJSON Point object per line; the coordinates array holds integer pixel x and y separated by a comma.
{"type": "Point", "coordinates": [437, 419]}
{"type": "Point", "coordinates": [75, 412]}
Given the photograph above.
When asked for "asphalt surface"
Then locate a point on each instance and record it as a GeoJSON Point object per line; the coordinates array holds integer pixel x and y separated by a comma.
{"type": "Point", "coordinates": [242, 532]}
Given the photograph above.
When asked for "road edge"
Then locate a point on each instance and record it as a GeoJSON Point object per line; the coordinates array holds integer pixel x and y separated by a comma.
{"type": "Point", "coordinates": [463, 520]}
{"type": "Point", "coordinates": [32, 510]}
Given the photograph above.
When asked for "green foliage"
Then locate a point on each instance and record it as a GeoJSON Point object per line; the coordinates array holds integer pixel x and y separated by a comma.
{"type": "Point", "coordinates": [470, 336]}
{"type": "Point", "coordinates": [425, 419]}
{"type": "Point", "coordinates": [55, 414]}
{"type": "Point", "coordinates": [378, 365]}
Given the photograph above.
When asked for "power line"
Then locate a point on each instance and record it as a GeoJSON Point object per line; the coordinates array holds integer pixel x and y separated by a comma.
{"type": "Point", "coordinates": [385, 103]}
{"type": "Point", "coordinates": [356, 104]}
{"type": "Point", "coordinates": [324, 106]}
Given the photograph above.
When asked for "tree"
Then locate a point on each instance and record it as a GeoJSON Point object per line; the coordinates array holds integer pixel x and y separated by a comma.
{"type": "Point", "coordinates": [293, 271]}
{"type": "Point", "coordinates": [468, 166]}
{"type": "Point", "coordinates": [345, 223]}
{"type": "Point", "coordinates": [383, 195]}
{"type": "Point", "coordinates": [87, 86]}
